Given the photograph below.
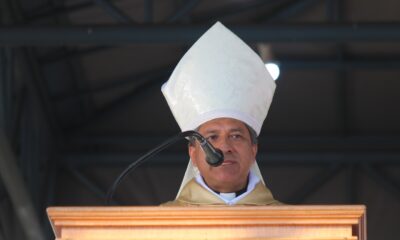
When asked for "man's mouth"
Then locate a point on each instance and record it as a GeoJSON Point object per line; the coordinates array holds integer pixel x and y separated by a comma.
{"type": "Point", "coordinates": [228, 162]}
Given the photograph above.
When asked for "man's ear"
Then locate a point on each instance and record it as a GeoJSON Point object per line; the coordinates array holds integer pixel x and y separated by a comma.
{"type": "Point", "coordinates": [191, 151]}
{"type": "Point", "coordinates": [254, 148]}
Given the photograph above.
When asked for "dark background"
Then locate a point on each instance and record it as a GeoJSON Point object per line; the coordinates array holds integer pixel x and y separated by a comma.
{"type": "Point", "coordinates": [80, 99]}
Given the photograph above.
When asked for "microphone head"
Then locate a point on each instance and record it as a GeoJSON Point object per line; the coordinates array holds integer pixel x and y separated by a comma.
{"type": "Point", "coordinates": [216, 158]}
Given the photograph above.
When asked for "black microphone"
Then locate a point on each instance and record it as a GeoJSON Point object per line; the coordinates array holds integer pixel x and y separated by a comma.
{"type": "Point", "coordinates": [214, 157]}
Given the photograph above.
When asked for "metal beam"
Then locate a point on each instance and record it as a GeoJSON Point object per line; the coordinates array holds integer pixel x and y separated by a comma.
{"type": "Point", "coordinates": [39, 87]}
{"type": "Point", "coordinates": [116, 105]}
{"type": "Point", "coordinates": [61, 54]}
{"type": "Point", "coordinates": [183, 10]}
{"type": "Point", "coordinates": [233, 9]}
{"type": "Point", "coordinates": [139, 91]}
{"type": "Point", "coordinates": [120, 35]}
{"type": "Point", "coordinates": [93, 187]}
{"type": "Point", "coordinates": [6, 70]}
{"type": "Point", "coordinates": [351, 183]}
{"type": "Point", "coordinates": [139, 78]}
{"type": "Point", "coordinates": [30, 63]}
{"type": "Point", "coordinates": [263, 158]}
{"type": "Point", "coordinates": [113, 11]}
{"type": "Point", "coordinates": [290, 9]}
{"type": "Point", "coordinates": [387, 183]}
{"type": "Point", "coordinates": [148, 11]}
{"type": "Point", "coordinates": [314, 183]}
{"type": "Point", "coordinates": [17, 191]}
{"type": "Point", "coordinates": [16, 116]}
{"type": "Point", "coordinates": [312, 64]}
{"type": "Point", "coordinates": [335, 10]}
{"type": "Point", "coordinates": [309, 143]}
{"type": "Point", "coordinates": [368, 62]}
{"type": "Point", "coordinates": [42, 12]}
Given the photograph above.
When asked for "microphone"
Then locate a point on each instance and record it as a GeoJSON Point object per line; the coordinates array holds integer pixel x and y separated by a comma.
{"type": "Point", "coordinates": [214, 157]}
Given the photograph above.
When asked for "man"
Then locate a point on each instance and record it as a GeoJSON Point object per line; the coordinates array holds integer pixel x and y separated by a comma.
{"type": "Point", "coordinates": [221, 89]}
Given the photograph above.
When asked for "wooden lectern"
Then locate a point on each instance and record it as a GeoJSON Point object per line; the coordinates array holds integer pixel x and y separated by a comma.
{"type": "Point", "coordinates": [270, 222]}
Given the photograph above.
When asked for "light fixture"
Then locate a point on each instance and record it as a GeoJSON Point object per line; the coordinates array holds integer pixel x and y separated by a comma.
{"type": "Point", "coordinates": [273, 69]}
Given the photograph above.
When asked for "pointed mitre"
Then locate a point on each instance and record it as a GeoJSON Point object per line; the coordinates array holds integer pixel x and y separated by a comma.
{"type": "Point", "coordinates": [219, 76]}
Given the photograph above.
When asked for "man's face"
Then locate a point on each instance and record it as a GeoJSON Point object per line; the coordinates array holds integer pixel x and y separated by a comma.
{"type": "Point", "coordinates": [233, 138]}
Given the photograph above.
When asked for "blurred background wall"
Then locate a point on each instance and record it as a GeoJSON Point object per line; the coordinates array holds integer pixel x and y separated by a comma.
{"type": "Point", "coordinates": [80, 99]}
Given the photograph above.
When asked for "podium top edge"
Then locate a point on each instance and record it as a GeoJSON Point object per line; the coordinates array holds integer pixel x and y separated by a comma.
{"type": "Point", "coordinates": [166, 209]}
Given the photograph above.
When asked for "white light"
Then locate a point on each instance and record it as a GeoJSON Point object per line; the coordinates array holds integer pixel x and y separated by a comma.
{"type": "Point", "coordinates": [273, 69]}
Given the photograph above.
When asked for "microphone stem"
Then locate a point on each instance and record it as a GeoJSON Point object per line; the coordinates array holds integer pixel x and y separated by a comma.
{"type": "Point", "coordinates": [142, 159]}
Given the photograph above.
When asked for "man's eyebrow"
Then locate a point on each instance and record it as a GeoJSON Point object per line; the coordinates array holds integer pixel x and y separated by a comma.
{"type": "Point", "coordinates": [210, 131]}
{"type": "Point", "coordinates": [236, 130]}
{"type": "Point", "coordinates": [241, 130]}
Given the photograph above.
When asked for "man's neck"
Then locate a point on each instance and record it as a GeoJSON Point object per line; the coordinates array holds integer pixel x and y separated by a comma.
{"type": "Point", "coordinates": [237, 192]}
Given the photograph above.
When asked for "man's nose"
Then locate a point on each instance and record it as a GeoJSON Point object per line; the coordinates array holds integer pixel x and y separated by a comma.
{"type": "Point", "coordinates": [225, 145]}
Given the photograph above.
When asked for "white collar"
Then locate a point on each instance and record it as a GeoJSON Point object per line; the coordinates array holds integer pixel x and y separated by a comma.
{"type": "Point", "coordinates": [231, 198]}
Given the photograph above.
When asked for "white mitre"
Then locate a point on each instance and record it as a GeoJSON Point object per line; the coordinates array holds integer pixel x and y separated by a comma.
{"type": "Point", "coordinates": [220, 76]}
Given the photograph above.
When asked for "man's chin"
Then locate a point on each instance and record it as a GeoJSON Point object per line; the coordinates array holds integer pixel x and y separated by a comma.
{"type": "Point", "coordinates": [228, 179]}
{"type": "Point", "coordinates": [229, 169]}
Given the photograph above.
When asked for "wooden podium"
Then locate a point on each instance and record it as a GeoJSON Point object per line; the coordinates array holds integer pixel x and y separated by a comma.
{"type": "Point", "coordinates": [270, 222]}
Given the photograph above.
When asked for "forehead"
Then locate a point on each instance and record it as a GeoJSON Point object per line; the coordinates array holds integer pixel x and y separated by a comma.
{"type": "Point", "coordinates": [219, 124]}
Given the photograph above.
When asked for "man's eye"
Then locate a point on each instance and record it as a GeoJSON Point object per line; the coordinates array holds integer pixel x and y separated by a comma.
{"type": "Point", "coordinates": [236, 136]}
{"type": "Point", "coordinates": [211, 138]}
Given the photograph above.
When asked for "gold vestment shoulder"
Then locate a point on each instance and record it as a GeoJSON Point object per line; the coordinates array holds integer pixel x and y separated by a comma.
{"type": "Point", "coordinates": [193, 194]}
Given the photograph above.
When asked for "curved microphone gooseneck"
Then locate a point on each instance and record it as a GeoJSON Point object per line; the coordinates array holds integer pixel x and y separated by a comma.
{"type": "Point", "coordinates": [214, 157]}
